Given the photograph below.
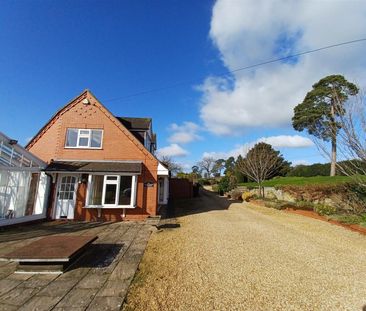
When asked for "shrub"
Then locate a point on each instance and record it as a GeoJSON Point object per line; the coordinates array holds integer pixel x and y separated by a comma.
{"type": "Point", "coordinates": [348, 219]}
{"type": "Point", "coordinates": [246, 196]}
{"type": "Point", "coordinates": [347, 197]}
{"type": "Point", "coordinates": [204, 182]}
{"type": "Point", "coordinates": [235, 194]}
{"type": "Point", "coordinates": [323, 209]}
{"type": "Point", "coordinates": [280, 205]}
{"type": "Point", "coordinates": [304, 205]}
{"type": "Point", "coordinates": [227, 183]}
{"type": "Point", "coordinates": [215, 188]}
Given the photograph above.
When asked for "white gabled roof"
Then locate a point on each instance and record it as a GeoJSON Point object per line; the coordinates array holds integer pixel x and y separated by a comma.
{"type": "Point", "coordinates": [162, 170]}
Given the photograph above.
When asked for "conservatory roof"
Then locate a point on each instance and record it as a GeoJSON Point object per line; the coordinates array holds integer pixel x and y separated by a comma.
{"type": "Point", "coordinates": [13, 155]}
{"type": "Point", "coordinates": [130, 167]}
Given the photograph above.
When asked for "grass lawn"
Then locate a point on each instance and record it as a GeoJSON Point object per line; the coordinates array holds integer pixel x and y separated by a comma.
{"type": "Point", "coordinates": [300, 181]}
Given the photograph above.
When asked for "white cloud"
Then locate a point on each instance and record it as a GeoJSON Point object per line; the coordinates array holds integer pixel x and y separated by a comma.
{"type": "Point", "coordinates": [281, 141]}
{"type": "Point", "coordinates": [295, 141]}
{"type": "Point", "coordinates": [242, 149]}
{"type": "Point", "coordinates": [185, 133]}
{"type": "Point", "coordinates": [249, 32]}
{"type": "Point", "coordinates": [173, 150]}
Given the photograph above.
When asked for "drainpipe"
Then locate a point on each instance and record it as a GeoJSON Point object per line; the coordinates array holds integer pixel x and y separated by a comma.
{"type": "Point", "coordinates": [123, 213]}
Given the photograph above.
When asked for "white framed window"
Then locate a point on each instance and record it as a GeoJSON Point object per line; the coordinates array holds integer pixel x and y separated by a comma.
{"type": "Point", "coordinates": [111, 191]}
{"type": "Point", "coordinates": [84, 138]}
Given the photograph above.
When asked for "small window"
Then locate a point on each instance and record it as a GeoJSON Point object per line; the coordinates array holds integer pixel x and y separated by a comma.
{"type": "Point", "coordinates": [83, 138]}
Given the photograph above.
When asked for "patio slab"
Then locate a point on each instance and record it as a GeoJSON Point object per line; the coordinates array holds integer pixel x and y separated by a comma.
{"type": "Point", "coordinates": [99, 280]}
{"type": "Point", "coordinates": [50, 254]}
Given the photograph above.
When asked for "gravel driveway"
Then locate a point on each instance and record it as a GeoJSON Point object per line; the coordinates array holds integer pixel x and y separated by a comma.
{"type": "Point", "coordinates": [244, 257]}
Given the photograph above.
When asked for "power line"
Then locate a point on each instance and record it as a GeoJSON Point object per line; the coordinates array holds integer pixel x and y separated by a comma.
{"type": "Point", "coordinates": [238, 69]}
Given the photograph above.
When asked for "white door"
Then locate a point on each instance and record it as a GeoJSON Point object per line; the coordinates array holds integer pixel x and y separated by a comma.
{"type": "Point", "coordinates": [66, 195]}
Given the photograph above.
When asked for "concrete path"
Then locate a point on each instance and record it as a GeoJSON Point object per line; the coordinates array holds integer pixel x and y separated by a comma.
{"type": "Point", "coordinates": [242, 257]}
{"type": "Point", "coordinates": [98, 281]}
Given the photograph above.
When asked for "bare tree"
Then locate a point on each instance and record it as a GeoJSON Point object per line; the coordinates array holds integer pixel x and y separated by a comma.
{"type": "Point", "coordinates": [207, 164]}
{"type": "Point", "coordinates": [260, 163]}
{"type": "Point", "coordinates": [172, 166]}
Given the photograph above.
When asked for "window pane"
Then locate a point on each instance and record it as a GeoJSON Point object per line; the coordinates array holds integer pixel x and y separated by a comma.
{"type": "Point", "coordinates": [111, 177]}
{"type": "Point", "coordinates": [71, 137]}
{"type": "Point", "coordinates": [125, 190]}
{"type": "Point", "coordinates": [96, 192]}
{"type": "Point", "coordinates": [84, 132]}
{"type": "Point", "coordinates": [96, 139]}
{"type": "Point", "coordinates": [83, 142]}
{"type": "Point", "coordinates": [110, 194]}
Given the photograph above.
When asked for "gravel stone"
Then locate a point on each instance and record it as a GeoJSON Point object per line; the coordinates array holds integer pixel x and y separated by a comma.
{"type": "Point", "coordinates": [244, 257]}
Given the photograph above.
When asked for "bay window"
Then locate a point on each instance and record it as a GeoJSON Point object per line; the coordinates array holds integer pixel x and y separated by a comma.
{"type": "Point", "coordinates": [111, 191]}
{"type": "Point", "coordinates": [84, 138]}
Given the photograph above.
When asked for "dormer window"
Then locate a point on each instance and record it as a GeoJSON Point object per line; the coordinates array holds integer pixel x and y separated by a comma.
{"type": "Point", "coordinates": [84, 138]}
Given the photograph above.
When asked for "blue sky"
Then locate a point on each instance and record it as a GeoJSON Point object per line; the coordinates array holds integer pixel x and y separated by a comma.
{"type": "Point", "coordinates": [52, 50]}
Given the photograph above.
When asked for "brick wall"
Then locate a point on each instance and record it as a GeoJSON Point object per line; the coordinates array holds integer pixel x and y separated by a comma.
{"type": "Point", "coordinates": [118, 144]}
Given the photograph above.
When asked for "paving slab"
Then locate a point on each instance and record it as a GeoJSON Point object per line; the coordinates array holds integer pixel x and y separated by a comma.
{"type": "Point", "coordinates": [106, 303]}
{"type": "Point", "coordinates": [6, 307]}
{"type": "Point", "coordinates": [7, 285]}
{"type": "Point", "coordinates": [98, 280]}
{"type": "Point", "coordinates": [114, 289]}
{"type": "Point", "coordinates": [38, 281]}
{"type": "Point", "coordinates": [78, 297]}
{"type": "Point", "coordinates": [92, 281]}
{"type": "Point", "coordinates": [40, 303]}
{"type": "Point", "coordinates": [18, 296]}
{"type": "Point", "coordinates": [59, 287]}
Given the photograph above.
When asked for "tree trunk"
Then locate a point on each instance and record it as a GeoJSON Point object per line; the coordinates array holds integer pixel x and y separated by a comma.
{"type": "Point", "coordinates": [334, 156]}
{"type": "Point", "coordinates": [334, 140]}
{"type": "Point", "coordinates": [261, 190]}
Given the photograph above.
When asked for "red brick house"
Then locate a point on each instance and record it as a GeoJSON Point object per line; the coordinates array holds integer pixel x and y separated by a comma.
{"type": "Point", "coordinates": [102, 166]}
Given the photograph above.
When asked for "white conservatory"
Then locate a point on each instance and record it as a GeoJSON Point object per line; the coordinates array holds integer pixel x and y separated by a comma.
{"type": "Point", "coordinates": [23, 185]}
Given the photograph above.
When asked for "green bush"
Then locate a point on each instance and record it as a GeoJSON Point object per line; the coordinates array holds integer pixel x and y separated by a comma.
{"type": "Point", "coordinates": [215, 188]}
{"type": "Point", "coordinates": [227, 183]}
{"type": "Point", "coordinates": [204, 182]}
{"type": "Point", "coordinates": [323, 209]}
{"type": "Point", "coordinates": [304, 205]}
{"type": "Point", "coordinates": [348, 219]}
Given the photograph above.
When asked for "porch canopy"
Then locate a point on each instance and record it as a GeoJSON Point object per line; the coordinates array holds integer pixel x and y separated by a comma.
{"type": "Point", "coordinates": [86, 167]}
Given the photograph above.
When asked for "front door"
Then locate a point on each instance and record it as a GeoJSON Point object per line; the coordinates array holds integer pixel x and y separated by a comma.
{"type": "Point", "coordinates": [66, 195]}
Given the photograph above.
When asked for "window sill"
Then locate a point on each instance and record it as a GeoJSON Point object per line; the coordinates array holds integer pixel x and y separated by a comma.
{"type": "Point", "coordinates": [110, 206]}
{"type": "Point", "coordinates": [85, 148]}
